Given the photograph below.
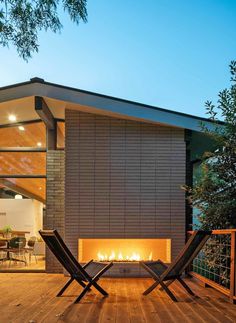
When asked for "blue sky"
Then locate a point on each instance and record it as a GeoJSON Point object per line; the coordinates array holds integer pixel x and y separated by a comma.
{"type": "Point", "coordinates": [168, 53]}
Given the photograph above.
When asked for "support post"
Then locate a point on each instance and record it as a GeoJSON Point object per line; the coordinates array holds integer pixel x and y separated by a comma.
{"type": "Point", "coordinates": [44, 112]}
{"type": "Point", "coordinates": [47, 117]}
{"type": "Point", "coordinates": [52, 138]}
{"type": "Point", "coordinates": [233, 268]}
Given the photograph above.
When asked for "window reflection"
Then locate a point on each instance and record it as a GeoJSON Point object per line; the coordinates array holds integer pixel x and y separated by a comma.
{"type": "Point", "coordinates": [24, 163]}
{"type": "Point", "coordinates": [60, 134]}
{"type": "Point", "coordinates": [25, 135]}
{"type": "Point", "coordinates": [29, 187]}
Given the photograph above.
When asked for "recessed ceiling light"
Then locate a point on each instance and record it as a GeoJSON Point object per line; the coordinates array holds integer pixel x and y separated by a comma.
{"type": "Point", "coordinates": [40, 188]}
{"type": "Point", "coordinates": [12, 117]}
{"type": "Point", "coordinates": [21, 128]}
{"type": "Point", "coordinates": [18, 197]}
{"type": "Point", "coordinates": [39, 144]}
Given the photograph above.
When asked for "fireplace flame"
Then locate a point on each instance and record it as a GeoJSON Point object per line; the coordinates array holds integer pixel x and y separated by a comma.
{"type": "Point", "coordinates": [134, 256]}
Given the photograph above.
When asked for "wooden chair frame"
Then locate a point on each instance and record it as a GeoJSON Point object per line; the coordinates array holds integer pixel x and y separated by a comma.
{"type": "Point", "coordinates": [177, 267]}
{"type": "Point", "coordinates": [86, 276]}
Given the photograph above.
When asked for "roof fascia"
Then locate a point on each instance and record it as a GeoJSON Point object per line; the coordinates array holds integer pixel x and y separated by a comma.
{"type": "Point", "coordinates": [103, 103]}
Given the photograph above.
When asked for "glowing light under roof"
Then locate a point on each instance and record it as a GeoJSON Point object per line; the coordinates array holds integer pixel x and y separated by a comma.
{"type": "Point", "coordinates": [18, 197]}
{"type": "Point", "coordinates": [12, 117]}
{"type": "Point", "coordinates": [21, 128]}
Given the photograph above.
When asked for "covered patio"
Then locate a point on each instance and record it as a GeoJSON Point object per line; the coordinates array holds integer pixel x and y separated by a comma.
{"type": "Point", "coordinates": [124, 304]}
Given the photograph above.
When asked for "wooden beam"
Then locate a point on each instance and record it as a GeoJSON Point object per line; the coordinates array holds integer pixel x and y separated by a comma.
{"type": "Point", "coordinates": [22, 176]}
{"type": "Point", "coordinates": [11, 186]}
{"type": "Point", "coordinates": [21, 123]}
{"type": "Point", "coordinates": [44, 112]}
{"type": "Point", "coordinates": [24, 149]}
{"type": "Point", "coordinates": [47, 117]}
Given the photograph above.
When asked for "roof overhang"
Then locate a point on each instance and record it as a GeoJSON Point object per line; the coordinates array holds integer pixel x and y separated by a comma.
{"type": "Point", "coordinates": [19, 100]}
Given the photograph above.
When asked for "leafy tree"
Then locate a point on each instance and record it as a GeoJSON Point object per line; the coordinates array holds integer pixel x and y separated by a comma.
{"type": "Point", "coordinates": [214, 193]}
{"type": "Point", "coordinates": [21, 20]}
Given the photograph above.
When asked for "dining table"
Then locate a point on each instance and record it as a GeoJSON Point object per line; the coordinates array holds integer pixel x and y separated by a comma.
{"type": "Point", "coordinates": [14, 233]}
{"type": "Point", "coordinates": [8, 250]}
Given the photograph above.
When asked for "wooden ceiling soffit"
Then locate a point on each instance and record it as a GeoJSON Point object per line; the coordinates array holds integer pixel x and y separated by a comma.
{"type": "Point", "coordinates": [8, 184]}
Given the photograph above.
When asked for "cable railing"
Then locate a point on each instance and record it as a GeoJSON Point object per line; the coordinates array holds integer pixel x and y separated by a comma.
{"type": "Point", "coordinates": [215, 265]}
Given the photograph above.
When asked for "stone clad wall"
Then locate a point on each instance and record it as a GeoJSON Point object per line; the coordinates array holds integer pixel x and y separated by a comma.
{"type": "Point", "coordinates": [123, 180]}
{"type": "Point", "coordinates": [55, 211]}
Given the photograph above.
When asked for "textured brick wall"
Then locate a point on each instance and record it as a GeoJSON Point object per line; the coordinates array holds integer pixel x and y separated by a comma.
{"type": "Point", "coordinates": [55, 215]}
{"type": "Point", "coordinates": [123, 180]}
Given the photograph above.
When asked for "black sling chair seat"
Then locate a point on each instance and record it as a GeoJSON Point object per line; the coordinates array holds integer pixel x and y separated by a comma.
{"type": "Point", "coordinates": [161, 273]}
{"type": "Point", "coordinates": [87, 275]}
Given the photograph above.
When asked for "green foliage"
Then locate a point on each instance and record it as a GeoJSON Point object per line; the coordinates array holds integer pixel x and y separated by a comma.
{"type": "Point", "coordinates": [214, 193]}
{"type": "Point", "coordinates": [21, 20]}
{"type": "Point", "coordinates": [7, 229]}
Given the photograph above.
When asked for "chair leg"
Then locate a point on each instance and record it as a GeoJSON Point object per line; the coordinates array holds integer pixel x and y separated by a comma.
{"type": "Point", "coordinates": [10, 259]}
{"type": "Point", "coordinates": [85, 290]}
{"type": "Point", "coordinates": [170, 294]}
{"type": "Point", "coordinates": [99, 288]}
{"type": "Point", "coordinates": [25, 260]}
{"type": "Point", "coordinates": [65, 286]}
{"type": "Point", "coordinates": [147, 291]}
{"type": "Point", "coordinates": [81, 283]}
{"type": "Point", "coordinates": [167, 284]}
{"type": "Point", "coordinates": [185, 286]}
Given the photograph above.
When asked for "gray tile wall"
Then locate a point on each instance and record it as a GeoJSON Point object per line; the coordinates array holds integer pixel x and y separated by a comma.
{"type": "Point", "coordinates": [123, 179]}
{"type": "Point", "coordinates": [55, 211]}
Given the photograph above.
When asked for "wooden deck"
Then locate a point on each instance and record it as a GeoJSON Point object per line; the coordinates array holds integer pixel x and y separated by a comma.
{"type": "Point", "coordinates": [31, 298]}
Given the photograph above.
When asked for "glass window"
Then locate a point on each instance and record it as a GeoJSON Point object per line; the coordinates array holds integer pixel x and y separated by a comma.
{"type": "Point", "coordinates": [29, 187]}
{"type": "Point", "coordinates": [60, 134]}
{"type": "Point", "coordinates": [22, 163]}
{"type": "Point", "coordinates": [26, 135]}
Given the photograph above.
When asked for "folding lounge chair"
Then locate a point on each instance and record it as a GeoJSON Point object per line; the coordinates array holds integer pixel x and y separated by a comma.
{"type": "Point", "coordinates": [162, 273]}
{"type": "Point", "coordinates": [86, 276]}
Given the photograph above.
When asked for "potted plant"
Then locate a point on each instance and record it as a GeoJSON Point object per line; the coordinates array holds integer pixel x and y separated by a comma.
{"type": "Point", "coordinates": [7, 230]}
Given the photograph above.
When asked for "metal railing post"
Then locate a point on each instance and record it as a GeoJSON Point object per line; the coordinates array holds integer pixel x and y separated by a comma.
{"type": "Point", "coordinates": [233, 268]}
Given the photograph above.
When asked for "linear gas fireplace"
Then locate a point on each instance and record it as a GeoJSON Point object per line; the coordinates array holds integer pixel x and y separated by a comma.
{"type": "Point", "coordinates": [124, 253]}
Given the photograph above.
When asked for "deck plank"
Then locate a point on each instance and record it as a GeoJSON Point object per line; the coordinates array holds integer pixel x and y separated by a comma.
{"type": "Point", "coordinates": [122, 309]}
{"type": "Point", "coordinates": [31, 297]}
{"type": "Point", "coordinates": [135, 313]}
{"type": "Point", "coordinates": [215, 303]}
{"type": "Point", "coordinates": [191, 306]}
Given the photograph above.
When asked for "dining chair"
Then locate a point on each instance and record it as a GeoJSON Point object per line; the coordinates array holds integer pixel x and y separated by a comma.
{"type": "Point", "coordinates": [30, 249]}
{"type": "Point", "coordinates": [16, 249]}
{"type": "Point", "coordinates": [2, 247]}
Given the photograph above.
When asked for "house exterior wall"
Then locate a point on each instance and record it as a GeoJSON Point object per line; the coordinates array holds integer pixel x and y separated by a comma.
{"type": "Point", "coordinates": [55, 211]}
{"type": "Point", "coordinates": [122, 180]}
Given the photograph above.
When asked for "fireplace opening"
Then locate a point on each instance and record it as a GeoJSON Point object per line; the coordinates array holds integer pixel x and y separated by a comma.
{"type": "Point", "coordinates": [124, 250]}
